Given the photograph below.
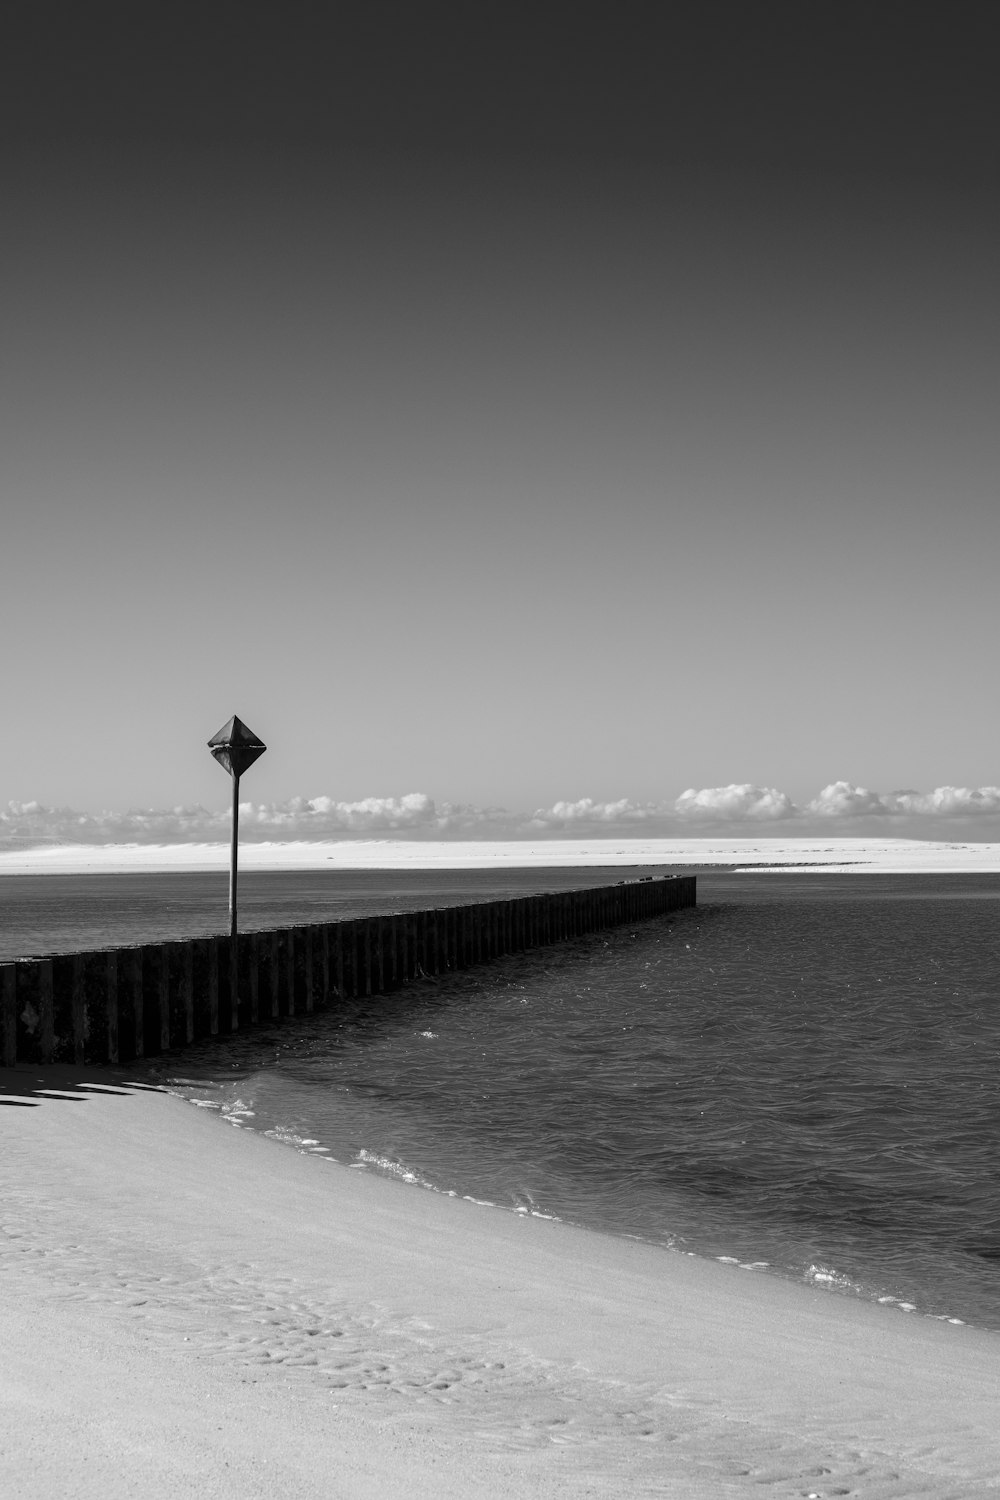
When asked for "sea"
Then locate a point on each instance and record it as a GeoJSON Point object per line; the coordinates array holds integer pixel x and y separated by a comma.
{"type": "Point", "coordinates": [800, 1077]}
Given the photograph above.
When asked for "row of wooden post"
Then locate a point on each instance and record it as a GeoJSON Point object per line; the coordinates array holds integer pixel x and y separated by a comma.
{"type": "Point", "coordinates": [111, 1006]}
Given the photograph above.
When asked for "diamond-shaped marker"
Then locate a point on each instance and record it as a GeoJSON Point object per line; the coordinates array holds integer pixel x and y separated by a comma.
{"type": "Point", "coordinates": [236, 747]}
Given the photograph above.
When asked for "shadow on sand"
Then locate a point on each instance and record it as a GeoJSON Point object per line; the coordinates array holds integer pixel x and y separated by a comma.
{"type": "Point", "coordinates": [29, 1086]}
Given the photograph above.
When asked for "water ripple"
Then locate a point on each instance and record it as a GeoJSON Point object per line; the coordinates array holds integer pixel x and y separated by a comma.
{"type": "Point", "coordinates": [810, 1084]}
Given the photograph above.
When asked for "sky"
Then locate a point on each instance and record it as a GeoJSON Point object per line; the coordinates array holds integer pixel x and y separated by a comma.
{"type": "Point", "coordinates": [519, 422]}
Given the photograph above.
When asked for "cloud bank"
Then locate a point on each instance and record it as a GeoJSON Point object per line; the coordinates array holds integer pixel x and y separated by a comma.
{"type": "Point", "coordinates": [841, 799]}
{"type": "Point", "coordinates": [975, 811]}
{"type": "Point", "coordinates": [318, 818]}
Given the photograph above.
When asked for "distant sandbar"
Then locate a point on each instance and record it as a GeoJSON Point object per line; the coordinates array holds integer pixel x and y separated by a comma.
{"type": "Point", "coordinates": [832, 855]}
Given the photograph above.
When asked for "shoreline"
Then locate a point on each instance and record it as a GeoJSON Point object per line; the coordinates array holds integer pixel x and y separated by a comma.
{"type": "Point", "coordinates": [829, 1280]}
{"type": "Point", "coordinates": [249, 1320]}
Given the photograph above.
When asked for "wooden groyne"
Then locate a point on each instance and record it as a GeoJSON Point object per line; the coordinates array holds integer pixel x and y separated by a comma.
{"type": "Point", "coordinates": [113, 1005]}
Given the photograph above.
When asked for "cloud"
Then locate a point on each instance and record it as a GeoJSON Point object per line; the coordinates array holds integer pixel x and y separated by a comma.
{"type": "Point", "coordinates": [736, 803]}
{"type": "Point", "coordinates": [586, 810]}
{"type": "Point", "coordinates": [318, 817]}
{"type": "Point", "coordinates": [416, 815]}
{"type": "Point", "coordinates": [947, 801]}
{"type": "Point", "coordinates": [29, 824]}
{"type": "Point", "coordinates": [842, 800]}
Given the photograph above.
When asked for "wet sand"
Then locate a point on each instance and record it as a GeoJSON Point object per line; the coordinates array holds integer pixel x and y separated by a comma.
{"type": "Point", "coordinates": [190, 1309]}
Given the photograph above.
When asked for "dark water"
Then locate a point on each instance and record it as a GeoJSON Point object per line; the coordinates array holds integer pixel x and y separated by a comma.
{"type": "Point", "coordinates": [801, 1075]}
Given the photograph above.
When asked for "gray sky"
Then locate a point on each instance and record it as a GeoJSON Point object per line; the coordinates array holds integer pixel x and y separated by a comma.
{"type": "Point", "coordinates": [507, 465]}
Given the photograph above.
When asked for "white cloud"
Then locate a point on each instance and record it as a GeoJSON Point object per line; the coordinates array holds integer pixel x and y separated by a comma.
{"type": "Point", "coordinates": [736, 803]}
{"type": "Point", "coordinates": [586, 810]}
{"type": "Point", "coordinates": [842, 800]}
{"type": "Point", "coordinates": [946, 801]}
{"type": "Point", "coordinates": [28, 824]}
{"type": "Point", "coordinates": [316, 816]}
{"type": "Point", "coordinates": [415, 815]}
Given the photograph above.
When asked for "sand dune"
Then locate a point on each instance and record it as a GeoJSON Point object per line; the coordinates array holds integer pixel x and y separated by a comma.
{"type": "Point", "coordinates": [192, 1310]}
{"type": "Point", "coordinates": [885, 856]}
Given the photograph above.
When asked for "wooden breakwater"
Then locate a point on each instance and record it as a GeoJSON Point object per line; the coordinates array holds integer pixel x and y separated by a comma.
{"type": "Point", "coordinates": [113, 1005]}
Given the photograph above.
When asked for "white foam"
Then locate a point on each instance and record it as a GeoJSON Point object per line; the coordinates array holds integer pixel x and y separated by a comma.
{"type": "Point", "coordinates": [823, 1276]}
{"type": "Point", "coordinates": [286, 1137]}
{"type": "Point", "coordinates": [392, 1168]}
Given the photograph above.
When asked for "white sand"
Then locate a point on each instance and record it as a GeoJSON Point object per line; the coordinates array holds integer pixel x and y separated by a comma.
{"type": "Point", "coordinates": [192, 1310]}
{"type": "Point", "coordinates": [882, 856]}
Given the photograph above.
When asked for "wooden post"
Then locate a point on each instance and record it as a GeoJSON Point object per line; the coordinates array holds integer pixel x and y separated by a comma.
{"type": "Point", "coordinates": [46, 1010]}
{"type": "Point", "coordinates": [410, 948]}
{"type": "Point", "coordinates": [347, 961]}
{"type": "Point", "coordinates": [378, 980]}
{"type": "Point", "coordinates": [253, 975]}
{"type": "Point", "coordinates": [366, 955]}
{"type": "Point", "coordinates": [138, 1002]}
{"type": "Point", "coordinates": [111, 991]}
{"type": "Point", "coordinates": [290, 970]}
{"type": "Point", "coordinates": [338, 960]}
{"type": "Point", "coordinates": [163, 993]}
{"type": "Point", "coordinates": [432, 945]}
{"type": "Point", "coordinates": [187, 991]}
{"type": "Point", "coordinates": [417, 949]}
{"type": "Point", "coordinates": [452, 916]}
{"type": "Point", "coordinates": [393, 979]}
{"type": "Point", "coordinates": [358, 957]}
{"type": "Point", "coordinates": [8, 1015]}
{"type": "Point", "coordinates": [213, 986]}
{"type": "Point", "coordinates": [307, 934]}
{"type": "Point", "coordinates": [389, 952]}
{"type": "Point", "coordinates": [78, 1002]}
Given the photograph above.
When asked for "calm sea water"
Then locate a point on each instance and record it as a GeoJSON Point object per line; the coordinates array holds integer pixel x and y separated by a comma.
{"type": "Point", "coordinates": [802, 1076]}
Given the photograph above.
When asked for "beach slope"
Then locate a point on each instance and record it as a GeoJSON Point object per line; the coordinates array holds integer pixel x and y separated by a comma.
{"type": "Point", "coordinates": [193, 1310]}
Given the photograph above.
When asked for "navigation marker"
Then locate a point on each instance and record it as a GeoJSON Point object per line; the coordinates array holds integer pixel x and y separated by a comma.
{"type": "Point", "coordinates": [236, 748]}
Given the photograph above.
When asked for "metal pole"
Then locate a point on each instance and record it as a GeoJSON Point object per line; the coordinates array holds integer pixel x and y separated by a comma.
{"type": "Point", "coordinates": [232, 858]}
{"type": "Point", "coordinates": [234, 965]}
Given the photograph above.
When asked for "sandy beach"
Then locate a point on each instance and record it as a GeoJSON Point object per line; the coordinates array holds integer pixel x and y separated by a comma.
{"type": "Point", "coordinates": [193, 1310]}
{"type": "Point", "coordinates": [776, 854]}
